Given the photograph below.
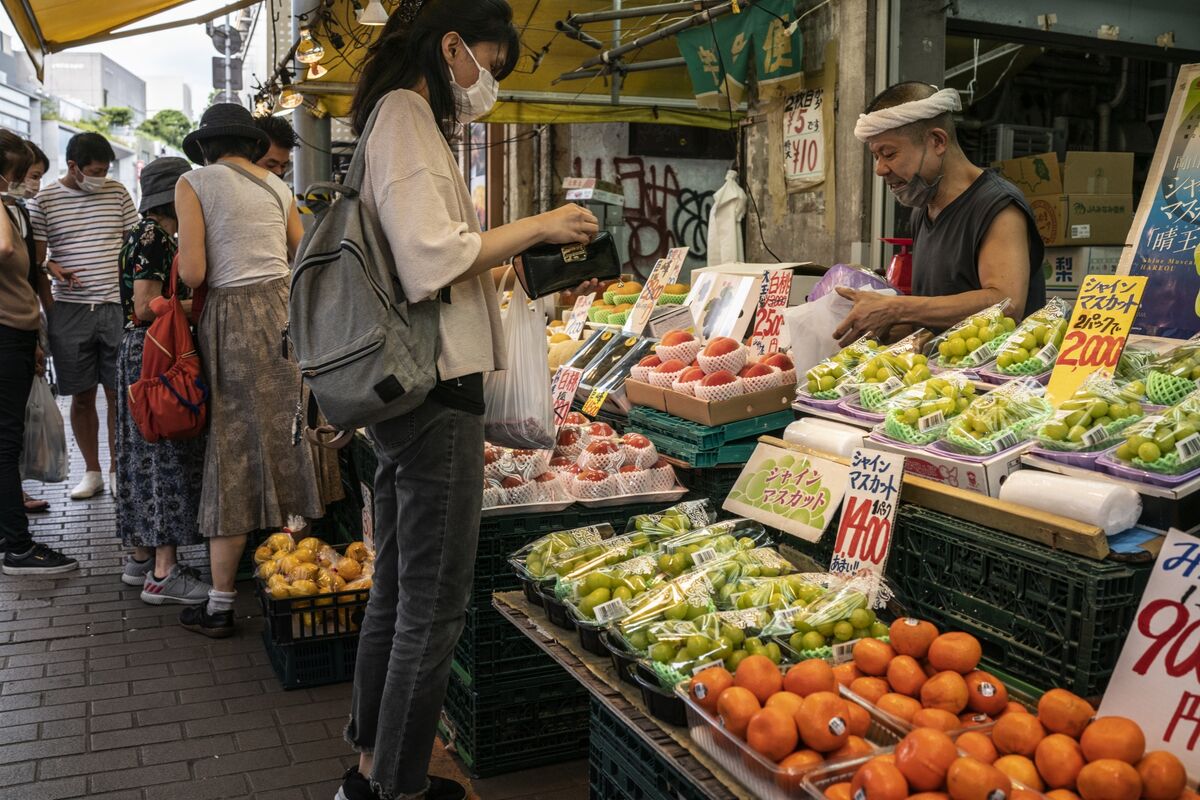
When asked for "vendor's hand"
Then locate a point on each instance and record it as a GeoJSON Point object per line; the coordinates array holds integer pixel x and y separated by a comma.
{"type": "Point", "coordinates": [587, 287]}
{"type": "Point", "coordinates": [569, 224]}
{"type": "Point", "coordinates": [63, 275]}
{"type": "Point", "coordinates": [39, 361]}
{"type": "Point", "coordinates": [873, 314]}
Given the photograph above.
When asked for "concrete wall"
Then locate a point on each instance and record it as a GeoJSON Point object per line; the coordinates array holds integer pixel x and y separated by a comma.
{"type": "Point", "coordinates": [96, 80]}
{"type": "Point", "coordinates": [802, 232]}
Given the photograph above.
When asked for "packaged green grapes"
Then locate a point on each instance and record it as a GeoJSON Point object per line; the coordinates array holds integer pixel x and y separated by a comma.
{"type": "Point", "coordinates": [921, 413]}
{"type": "Point", "coordinates": [679, 518]}
{"type": "Point", "coordinates": [1167, 442]}
{"type": "Point", "coordinates": [677, 649]}
{"type": "Point", "coordinates": [887, 372]}
{"type": "Point", "coordinates": [773, 593]}
{"type": "Point", "coordinates": [1092, 418]}
{"type": "Point", "coordinates": [1000, 419]}
{"type": "Point", "coordinates": [575, 562]}
{"type": "Point", "coordinates": [841, 597]}
{"type": "Point", "coordinates": [974, 341]}
{"type": "Point", "coordinates": [1134, 364]}
{"type": "Point", "coordinates": [534, 559]}
{"type": "Point", "coordinates": [678, 554]}
{"type": "Point", "coordinates": [606, 593]}
{"type": "Point", "coordinates": [1033, 347]}
{"type": "Point", "coordinates": [689, 596]}
{"type": "Point", "coordinates": [822, 379]}
{"type": "Point", "coordinates": [1174, 374]}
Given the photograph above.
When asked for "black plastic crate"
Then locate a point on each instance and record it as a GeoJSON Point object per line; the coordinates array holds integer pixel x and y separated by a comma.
{"type": "Point", "coordinates": [324, 616]}
{"type": "Point", "coordinates": [492, 653]}
{"type": "Point", "coordinates": [713, 483]}
{"type": "Point", "coordinates": [623, 767]}
{"type": "Point", "coordinates": [497, 732]}
{"type": "Point", "coordinates": [1045, 616]}
{"type": "Point", "coordinates": [304, 664]}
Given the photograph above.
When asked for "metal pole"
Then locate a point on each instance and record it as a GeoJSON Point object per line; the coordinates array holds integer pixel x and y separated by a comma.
{"type": "Point", "coordinates": [56, 47]}
{"type": "Point", "coordinates": [640, 66]}
{"type": "Point", "coordinates": [616, 76]}
{"type": "Point", "coordinates": [640, 11]}
{"type": "Point", "coordinates": [702, 18]}
{"type": "Point", "coordinates": [313, 161]}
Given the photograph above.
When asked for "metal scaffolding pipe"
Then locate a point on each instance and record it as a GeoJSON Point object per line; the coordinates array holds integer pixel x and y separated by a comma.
{"type": "Point", "coordinates": [572, 32]}
{"type": "Point", "coordinates": [640, 66]}
{"type": "Point", "coordinates": [701, 18]}
{"type": "Point", "coordinates": [640, 11]}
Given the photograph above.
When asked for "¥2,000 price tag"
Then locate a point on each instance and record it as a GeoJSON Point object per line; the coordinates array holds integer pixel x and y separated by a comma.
{"type": "Point", "coordinates": [594, 402]}
{"type": "Point", "coordinates": [579, 315]}
{"type": "Point", "coordinates": [1100, 324]}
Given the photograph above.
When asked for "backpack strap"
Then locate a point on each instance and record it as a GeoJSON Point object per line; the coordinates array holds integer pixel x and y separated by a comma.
{"type": "Point", "coordinates": [351, 185]}
{"type": "Point", "coordinates": [266, 186]}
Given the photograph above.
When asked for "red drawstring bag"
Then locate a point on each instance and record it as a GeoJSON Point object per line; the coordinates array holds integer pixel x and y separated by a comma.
{"type": "Point", "coordinates": [170, 399]}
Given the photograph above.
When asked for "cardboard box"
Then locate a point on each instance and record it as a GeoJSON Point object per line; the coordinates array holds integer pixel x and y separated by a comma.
{"type": "Point", "coordinates": [1065, 267]}
{"type": "Point", "coordinates": [1086, 201]}
{"type": "Point", "coordinates": [983, 477]}
{"type": "Point", "coordinates": [737, 408]}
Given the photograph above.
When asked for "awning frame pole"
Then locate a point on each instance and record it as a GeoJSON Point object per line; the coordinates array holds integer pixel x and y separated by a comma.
{"type": "Point", "coordinates": [616, 75]}
{"type": "Point", "coordinates": [638, 66]}
{"type": "Point", "coordinates": [701, 18]}
{"type": "Point", "coordinates": [100, 38]}
{"type": "Point", "coordinates": [641, 11]}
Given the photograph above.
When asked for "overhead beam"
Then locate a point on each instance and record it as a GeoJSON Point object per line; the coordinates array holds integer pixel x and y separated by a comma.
{"type": "Point", "coordinates": [639, 11]}
{"type": "Point", "coordinates": [100, 38]}
{"type": "Point", "coordinates": [701, 18]}
{"type": "Point", "coordinates": [984, 58]}
{"type": "Point", "coordinates": [639, 66]}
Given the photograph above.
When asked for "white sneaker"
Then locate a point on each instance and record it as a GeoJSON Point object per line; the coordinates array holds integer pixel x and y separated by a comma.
{"type": "Point", "coordinates": [112, 483]}
{"type": "Point", "coordinates": [91, 485]}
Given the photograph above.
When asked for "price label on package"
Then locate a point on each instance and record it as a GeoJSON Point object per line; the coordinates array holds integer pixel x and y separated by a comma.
{"type": "Point", "coordinates": [864, 536]}
{"type": "Point", "coordinates": [579, 315]}
{"type": "Point", "coordinates": [1100, 324]}
{"type": "Point", "coordinates": [562, 392]}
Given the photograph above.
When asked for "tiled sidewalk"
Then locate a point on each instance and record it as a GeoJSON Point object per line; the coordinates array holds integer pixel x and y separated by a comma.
{"type": "Point", "coordinates": [104, 697]}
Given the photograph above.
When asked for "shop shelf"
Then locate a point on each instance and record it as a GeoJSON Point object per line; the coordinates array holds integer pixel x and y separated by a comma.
{"type": "Point", "coordinates": [621, 766]}
{"type": "Point", "coordinates": [304, 664]}
{"type": "Point", "coordinates": [1044, 616]}
{"type": "Point", "coordinates": [493, 653]}
{"type": "Point", "coordinates": [705, 437]}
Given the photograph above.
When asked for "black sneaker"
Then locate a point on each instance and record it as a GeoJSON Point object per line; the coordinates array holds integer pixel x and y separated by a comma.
{"type": "Point", "coordinates": [214, 626]}
{"type": "Point", "coordinates": [355, 787]}
{"type": "Point", "coordinates": [40, 560]}
{"type": "Point", "coordinates": [445, 789]}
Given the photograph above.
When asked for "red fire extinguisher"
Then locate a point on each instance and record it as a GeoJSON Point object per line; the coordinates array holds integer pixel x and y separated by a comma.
{"type": "Point", "coordinates": [899, 272]}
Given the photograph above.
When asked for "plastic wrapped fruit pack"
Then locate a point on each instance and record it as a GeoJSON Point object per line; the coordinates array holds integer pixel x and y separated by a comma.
{"type": "Point", "coordinates": [974, 341]}
{"type": "Point", "coordinates": [1000, 419]}
{"type": "Point", "coordinates": [1173, 375]}
{"type": "Point", "coordinates": [605, 594]}
{"type": "Point", "coordinates": [609, 466]}
{"type": "Point", "coordinates": [1168, 442]}
{"type": "Point", "coordinates": [1033, 347]}
{"type": "Point", "coordinates": [310, 568]}
{"type": "Point", "coordinates": [821, 381]}
{"type": "Point", "coordinates": [686, 550]}
{"type": "Point", "coordinates": [884, 374]}
{"type": "Point", "coordinates": [534, 559]}
{"type": "Point", "coordinates": [921, 413]}
{"type": "Point", "coordinates": [686, 597]}
{"type": "Point", "coordinates": [681, 517]}
{"type": "Point", "coordinates": [519, 477]}
{"type": "Point", "coordinates": [1093, 417]}
{"type": "Point", "coordinates": [676, 649]}
{"type": "Point", "coordinates": [576, 562]}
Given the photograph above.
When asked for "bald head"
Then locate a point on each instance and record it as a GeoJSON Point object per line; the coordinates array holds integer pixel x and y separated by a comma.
{"type": "Point", "coordinates": [907, 92]}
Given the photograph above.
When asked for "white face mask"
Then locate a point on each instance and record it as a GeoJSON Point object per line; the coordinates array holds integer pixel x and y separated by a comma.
{"type": "Point", "coordinates": [16, 190]}
{"type": "Point", "coordinates": [90, 183]}
{"type": "Point", "coordinates": [478, 98]}
{"type": "Point", "coordinates": [32, 187]}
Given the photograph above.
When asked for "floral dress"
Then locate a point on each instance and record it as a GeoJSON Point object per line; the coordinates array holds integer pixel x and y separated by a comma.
{"type": "Point", "coordinates": [158, 485]}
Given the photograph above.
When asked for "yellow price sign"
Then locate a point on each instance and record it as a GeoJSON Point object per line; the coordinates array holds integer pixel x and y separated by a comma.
{"type": "Point", "coordinates": [595, 402]}
{"type": "Point", "coordinates": [1100, 324]}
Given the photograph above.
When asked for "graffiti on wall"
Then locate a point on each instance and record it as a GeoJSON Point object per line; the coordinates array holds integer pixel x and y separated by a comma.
{"type": "Point", "coordinates": [659, 212]}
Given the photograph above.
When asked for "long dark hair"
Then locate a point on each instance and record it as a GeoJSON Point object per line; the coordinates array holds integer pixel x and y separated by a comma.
{"type": "Point", "coordinates": [405, 54]}
{"type": "Point", "coordinates": [15, 156]}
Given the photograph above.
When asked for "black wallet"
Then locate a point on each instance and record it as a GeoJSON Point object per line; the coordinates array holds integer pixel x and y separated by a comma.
{"type": "Point", "coordinates": [548, 268]}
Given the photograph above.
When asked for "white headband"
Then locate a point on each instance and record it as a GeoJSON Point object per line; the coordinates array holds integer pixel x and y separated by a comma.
{"type": "Point", "coordinates": [886, 119]}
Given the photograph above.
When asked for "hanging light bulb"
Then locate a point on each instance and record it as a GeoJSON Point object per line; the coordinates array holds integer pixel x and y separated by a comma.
{"type": "Point", "coordinates": [374, 14]}
{"type": "Point", "coordinates": [309, 50]}
{"type": "Point", "coordinates": [316, 72]}
{"type": "Point", "coordinates": [262, 107]}
{"type": "Point", "coordinates": [290, 98]}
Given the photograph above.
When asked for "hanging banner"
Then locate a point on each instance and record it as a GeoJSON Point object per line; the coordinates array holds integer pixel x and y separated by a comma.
{"type": "Point", "coordinates": [1165, 242]}
{"type": "Point", "coordinates": [665, 272]}
{"type": "Point", "coordinates": [864, 536]}
{"type": "Point", "coordinates": [804, 139]}
{"type": "Point", "coordinates": [1157, 679]}
{"type": "Point", "coordinates": [720, 55]}
{"type": "Point", "coordinates": [768, 319]}
{"type": "Point", "coordinates": [791, 491]}
{"type": "Point", "coordinates": [1100, 324]}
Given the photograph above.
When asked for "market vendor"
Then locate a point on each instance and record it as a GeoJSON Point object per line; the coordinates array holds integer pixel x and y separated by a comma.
{"type": "Point", "coordinates": [975, 241]}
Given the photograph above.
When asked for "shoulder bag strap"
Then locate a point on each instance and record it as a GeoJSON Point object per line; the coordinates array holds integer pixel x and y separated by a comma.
{"type": "Point", "coordinates": [266, 186]}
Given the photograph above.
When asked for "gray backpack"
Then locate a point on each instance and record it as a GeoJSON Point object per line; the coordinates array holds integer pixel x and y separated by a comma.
{"type": "Point", "coordinates": [366, 353]}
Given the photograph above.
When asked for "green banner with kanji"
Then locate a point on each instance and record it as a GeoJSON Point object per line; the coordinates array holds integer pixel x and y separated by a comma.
{"type": "Point", "coordinates": [725, 54]}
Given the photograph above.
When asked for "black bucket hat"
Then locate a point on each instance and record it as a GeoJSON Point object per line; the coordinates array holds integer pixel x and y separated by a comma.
{"type": "Point", "coordinates": [158, 181]}
{"type": "Point", "coordinates": [223, 119]}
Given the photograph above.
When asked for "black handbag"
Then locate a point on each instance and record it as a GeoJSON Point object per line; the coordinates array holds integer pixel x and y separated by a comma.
{"type": "Point", "coordinates": [548, 268]}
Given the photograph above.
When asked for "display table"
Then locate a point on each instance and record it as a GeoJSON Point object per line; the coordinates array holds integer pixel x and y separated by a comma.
{"type": "Point", "coordinates": [597, 675]}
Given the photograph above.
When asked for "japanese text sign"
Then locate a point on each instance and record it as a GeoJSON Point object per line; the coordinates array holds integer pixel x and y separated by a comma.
{"type": "Point", "coordinates": [665, 272]}
{"type": "Point", "coordinates": [1157, 679]}
{"type": "Point", "coordinates": [768, 320]}
{"type": "Point", "coordinates": [562, 392]}
{"type": "Point", "coordinates": [804, 138]}
{"type": "Point", "coordinates": [595, 402]}
{"type": "Point", "coordinates": [579, 315]}
{"type": "Point", "coordinates": [864, 535]}
{"type": "Point", "coordinates": [791, 491]}
{"type": "Point", "coordinates": [1100, 324]}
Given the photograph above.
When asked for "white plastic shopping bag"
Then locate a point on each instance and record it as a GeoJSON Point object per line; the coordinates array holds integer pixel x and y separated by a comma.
{"type": "Point", "coordinates": [519, 412]}
{"type": "Point", "coordinates": [44, 457]}
{"type": "Point", "coordinates": [809, 328]}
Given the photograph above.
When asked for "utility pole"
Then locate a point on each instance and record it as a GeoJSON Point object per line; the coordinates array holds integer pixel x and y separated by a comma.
{"type": "Point", "coordinates": [313, 161]}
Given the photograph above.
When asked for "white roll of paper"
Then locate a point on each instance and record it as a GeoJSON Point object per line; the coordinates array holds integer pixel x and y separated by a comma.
{"type": "Point", "coordinates": [825, 436]}
{"type": "Point", "coordinates": [1105, 505]}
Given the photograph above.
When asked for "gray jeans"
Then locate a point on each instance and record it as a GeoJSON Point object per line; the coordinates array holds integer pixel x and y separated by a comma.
{"type": "Point", "coordinates": [428, 494]}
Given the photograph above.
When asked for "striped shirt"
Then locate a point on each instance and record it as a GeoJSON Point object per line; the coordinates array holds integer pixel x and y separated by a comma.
{"type": "Point", "coordinates": [84, 231]}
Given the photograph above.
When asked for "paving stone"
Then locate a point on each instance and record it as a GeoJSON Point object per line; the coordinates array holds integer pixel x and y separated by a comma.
{"type": "Point", "coordinates": [207, 789]}
{"type": "Point", "coordinates": [241, 762]}
{"type": "Point", "coordinates": [140, 777]}
{"type": "Point", "coordinates": [63, 727]}
{"type": "Point", "coordinates": [17, 773]}
{"type": "Point", "coordinates": [111, 722]}
{"type": "Point", "coordinates": [135, 736]}
{"type": "Point", "coordinates": [191, 748]}
{"type": "Point", "coordinates": [88, 763]}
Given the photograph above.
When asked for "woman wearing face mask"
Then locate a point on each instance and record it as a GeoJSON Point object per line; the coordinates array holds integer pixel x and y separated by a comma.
{"type": "Point", "coordinates": [434, 69]}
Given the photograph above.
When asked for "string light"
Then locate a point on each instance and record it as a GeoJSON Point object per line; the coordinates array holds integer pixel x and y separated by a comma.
{"type": "Point", "coordinates": [290, 99]}
{"type": "Point", "coordinates": [309, 50]}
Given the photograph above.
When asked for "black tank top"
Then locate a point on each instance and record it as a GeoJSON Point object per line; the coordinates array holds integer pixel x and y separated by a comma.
{"type": "Point", "coordinates": [946, 250]}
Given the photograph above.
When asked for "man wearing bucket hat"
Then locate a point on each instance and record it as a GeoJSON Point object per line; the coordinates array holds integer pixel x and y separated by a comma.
{"type": "Point", "coordinates": [975, 242]}
{"type": "Point", "coordinates": [158, 494]}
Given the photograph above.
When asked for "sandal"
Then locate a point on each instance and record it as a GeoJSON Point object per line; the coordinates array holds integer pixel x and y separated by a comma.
{"type": "Point", "coordinates": [35, 506]}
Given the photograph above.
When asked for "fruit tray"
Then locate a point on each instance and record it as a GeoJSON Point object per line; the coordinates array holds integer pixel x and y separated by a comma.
{"type": "Point", "coordinates": [1015, 693]}
{"type": "Point", "coordinates": [816, 782]}
{"type": "Point", "coordinates": [703, 437]}
{"type": "Point", "coordinates": [850, 406]}
{"type": "Point", "coordinates": [1086, 460]}
{"type": "Point", "coordinates": [623, 661]}
{"type": "Point", "coordinates": [1110, 464]}
{"type": "Point", "coordinates": [664, 705]}
{"type": "Point", "coordinates": [551, 507]}
{"type": "Point", "coordinates": [995, 377]}
{"type": "Point", "coordinates": [944, 448]}
{"type": "Point", "coordinates": [669, 496]}
{"type": "Point", "coordinates": [805, 399]}
{"type": "Point", "coordinates": [762, 777]}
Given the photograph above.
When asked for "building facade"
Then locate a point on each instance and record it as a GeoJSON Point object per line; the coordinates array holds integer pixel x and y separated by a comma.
{"type": "Point", "coordinates": [97, 81]}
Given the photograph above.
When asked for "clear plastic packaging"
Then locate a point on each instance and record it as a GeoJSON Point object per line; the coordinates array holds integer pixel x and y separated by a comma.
{"type": "Point", "coordinates": [1167, 442]}
{"type": "Point", "coordinates": [1092, 418]}
{"type": "Point", "coordinates": [575, 562]}
{"type": "Point", "coordinates": [1134, 364]}
{"type": "Point", "coordinates": [836, 604]}
{"type": "Point", "coordinates": [1033, 347]}
{"type": "Point", "coordinates": [1174, 374]}
{"type": "Point", "coordinates": [921, 413]}
{"type": "Point", "coordinates": [534, 559]}
{"type": "Point", "coordinates": [1000, 419]}
{"type": "Point", "coordinates": [974, 341]}
{"type": "Point", "coordinates": [887, 372]}
{"type": "Point", "coordinates": [606, 594]}
{"type": "Point", "coordinates": [693, 548]}
{"type": "Point", "coordinates": [674, 650]}
{"type": "Point", "coordinates": [687, 597]}
{"type": "Point", "coordinates": [823, 379]}
{"type": "Point", "coordinates": [679, 518]}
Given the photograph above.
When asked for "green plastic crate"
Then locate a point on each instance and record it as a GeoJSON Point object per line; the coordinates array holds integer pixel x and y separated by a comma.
{"type": "Point", "coordinates": [623, 767]}
{"type": "Point", "coordinates": [705, 437]}
{"type": "Point", "coordinates": [714, 483]}
{"type": "Point", "coordinates": [312, 663]}
{"type": "Point", "coordinates": [492, 653]}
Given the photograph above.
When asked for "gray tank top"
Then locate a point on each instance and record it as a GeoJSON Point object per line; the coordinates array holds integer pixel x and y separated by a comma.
{"type": "Point", "coordinates": [946, 250]}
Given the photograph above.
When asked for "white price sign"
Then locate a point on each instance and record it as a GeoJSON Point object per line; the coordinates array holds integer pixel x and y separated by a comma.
{"type": "Point", "coordinates": [864, 535]}
{"type": "Point", "coordinates": [665, 272]}
{"type": "Point", "coordinates": [768, 319]}
{"type": "Point", "coordinates": [562, 392]}
{"type": "Point", "coordinates": [804, 138]}
{"type": "Point", "coordinates": [579, 315]}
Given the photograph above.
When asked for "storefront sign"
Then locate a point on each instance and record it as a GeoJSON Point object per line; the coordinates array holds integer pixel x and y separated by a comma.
{"type": "Point", "coordinates": [1100, 324]}
{"type": "Point", "coordinates": [1166, 228]}
{"type": "Point", "coordinates": [864, 536]}
{"type": "Point", "coordinates": [562, 392]}
{"type": "Point", "coordinates": [1157, 679]}
{"type": "Point", "coordinates": [665, 272]}
{"type": "Point", "coordinates": [804, 138]}
{"type": "Point", "coordinates": [768, 321]}
{"type": "Point", "coordinates": [579, 315]}
{"type": "Point", "coordinates": [791, 491]}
